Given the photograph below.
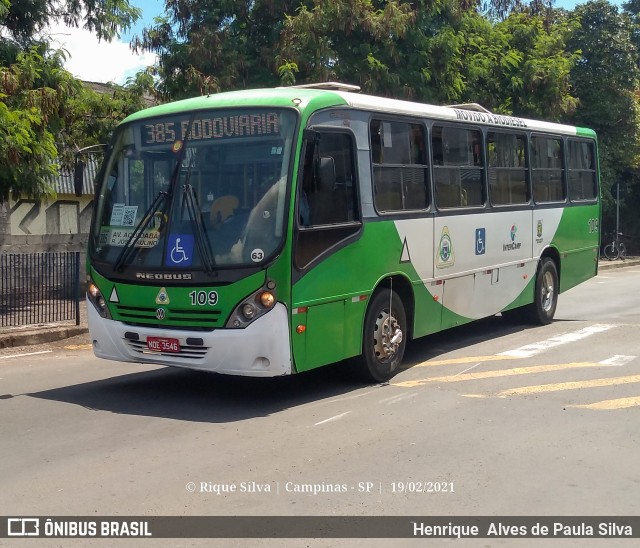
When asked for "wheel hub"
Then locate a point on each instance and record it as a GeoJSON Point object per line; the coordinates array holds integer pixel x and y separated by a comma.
{"type": "Point", "coordinates": [388, 335]}
{"type": "Point", "coordinates": [547, 291]}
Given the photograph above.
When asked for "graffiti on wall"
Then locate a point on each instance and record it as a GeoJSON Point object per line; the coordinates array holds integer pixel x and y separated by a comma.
{"type": "Point", "coordinates": [63, 216]}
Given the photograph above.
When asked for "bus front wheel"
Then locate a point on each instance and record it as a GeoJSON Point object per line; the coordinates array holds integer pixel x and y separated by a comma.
{"type": "Point", "coordinates": [384, 337]}
{"type": "Point", "coordinates": [543, 308]}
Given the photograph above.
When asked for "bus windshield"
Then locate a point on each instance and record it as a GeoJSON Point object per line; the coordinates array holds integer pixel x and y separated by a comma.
{"type": "Point", "coordinates": [199, 190]}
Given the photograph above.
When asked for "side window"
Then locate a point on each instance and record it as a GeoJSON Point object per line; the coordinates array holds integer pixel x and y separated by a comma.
{"type": "Point", "coordinates": [506, 154]}
{"type": "Point", "coordinates": [547, 169]}
{"type": "Point", "coordinates": [582, 170]}
{"type": "Point", "coordinates": [327, 201]}
{"type": "Point", "coordinates": [400, 171]}
{"type": "Point", "coordinates": [458, 167]}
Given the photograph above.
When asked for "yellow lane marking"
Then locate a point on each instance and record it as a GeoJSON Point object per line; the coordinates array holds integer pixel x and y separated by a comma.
{"type": "Point", "coordinates": [466, 359]}
{"type": "Point", "coordinates": [606, 405]}
{"type": "Point", "coordinates": [593, 383]}
{"type": "Point", "coordinates": [496, 374]}
{"type": "Point", "coordinates": [78, 347]}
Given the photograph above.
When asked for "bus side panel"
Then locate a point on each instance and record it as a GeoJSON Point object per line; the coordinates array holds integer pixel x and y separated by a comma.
{"type": "Point", "coordinates": [577, 240]}
{"type": "Point", "coordinates": [458, 295]}
{"type": "Point", "coordinates": [485, 260]}
{"type": "Point", "coordinates": [336, 290]}
{"type": "Point", "coordinates": [416, 257]}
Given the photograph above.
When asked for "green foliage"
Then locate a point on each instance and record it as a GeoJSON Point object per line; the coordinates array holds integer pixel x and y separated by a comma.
{"type": "Point", "coordinates": [435, 52]}
{"type": "Point", "coordinates": [606, 79]}
{"type": "Point", "coordinates": [22, 19]}
{"type": "Point", "coordinates": [45, 113]}
{"type": "Point", "coordinates": [29, 114]}
{"type": "Point", "coordinates": [206, 46]}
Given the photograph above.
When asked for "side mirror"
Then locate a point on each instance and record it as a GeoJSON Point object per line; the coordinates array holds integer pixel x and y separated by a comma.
{"type": "Point", "coordinates": [78, 177]}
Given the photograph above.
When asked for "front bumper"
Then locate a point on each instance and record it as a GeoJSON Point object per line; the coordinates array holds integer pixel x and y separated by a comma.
{"type": "Point", "coordinates": [260, 350]}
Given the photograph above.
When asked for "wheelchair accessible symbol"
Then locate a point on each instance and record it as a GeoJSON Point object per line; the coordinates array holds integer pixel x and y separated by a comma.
{"type": "Point", "coordinates": [180, 250]}
{"type": "Point", "coordinates": [480, 241]}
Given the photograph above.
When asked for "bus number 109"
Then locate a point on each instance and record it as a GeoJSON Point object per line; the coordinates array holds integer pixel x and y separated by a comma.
{"type": "Point", "coordinates": [200, 298]}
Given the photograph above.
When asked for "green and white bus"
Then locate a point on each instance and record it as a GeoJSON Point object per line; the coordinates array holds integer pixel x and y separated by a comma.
{"type": "Point", "coordinates": [272, 231]}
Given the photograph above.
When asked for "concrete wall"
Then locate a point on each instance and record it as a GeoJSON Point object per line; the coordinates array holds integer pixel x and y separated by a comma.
{"type": "Point", "coordinates": [27, 226]}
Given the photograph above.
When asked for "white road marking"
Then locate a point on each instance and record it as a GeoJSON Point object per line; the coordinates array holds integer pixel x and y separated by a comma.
{"type": "Point", "coordinates": [399, 397]}
{"type": "Point", "coordinates": [331, 419]}
{"type": "Point", "coordinates": [618, 360]}
{"type": "Point", "coordinates": [27, 354]}
{"type": "Point", "coordinates": [468, 369]}
{"type": "Point", "coordinates": [534, 349]}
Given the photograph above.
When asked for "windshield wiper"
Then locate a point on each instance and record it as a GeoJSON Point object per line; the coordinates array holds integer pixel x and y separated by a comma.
{"type": "Point", "coordinates": [160, 200]}
{"type": "Point", "coordinates": [190, 202]}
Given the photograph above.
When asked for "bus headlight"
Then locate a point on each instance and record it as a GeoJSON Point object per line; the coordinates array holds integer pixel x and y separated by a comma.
{"type": "Point", "coordinates": [98, 300]}
{"type": "Point", "coordinates": [254, 306]}
{"type": "Point", "coordinates": [248, 311]}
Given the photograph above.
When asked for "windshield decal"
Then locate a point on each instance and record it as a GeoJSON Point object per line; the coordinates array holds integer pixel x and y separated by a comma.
{"type": "Point", "coordinates": [118, 238]}
{"type": "Point", "coordinates": [180, 249]}
{"type": "Point", "coordinates": [123, 215]}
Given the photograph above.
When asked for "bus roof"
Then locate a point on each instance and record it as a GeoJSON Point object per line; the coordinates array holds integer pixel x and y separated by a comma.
{"type": "Point", "coordinates": [312, 98]}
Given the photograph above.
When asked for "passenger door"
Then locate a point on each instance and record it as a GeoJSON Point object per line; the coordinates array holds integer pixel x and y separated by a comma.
{"type": "Point", "coordinates": [327, 221]}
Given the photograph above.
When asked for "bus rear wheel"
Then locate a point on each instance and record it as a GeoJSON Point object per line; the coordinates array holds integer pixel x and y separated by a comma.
{"type": "Point", "coordinates": [384, 337]}
{"type": "Point", "coordinates": [545, 299]}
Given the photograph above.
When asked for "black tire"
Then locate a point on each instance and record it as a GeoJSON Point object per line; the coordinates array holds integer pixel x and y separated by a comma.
{"type": "Point", "coordinates": [381, 354]}
{"type": "Point", "coordinates": [545, 298]}
{"type": "Point", "coordinates": [610, 253]}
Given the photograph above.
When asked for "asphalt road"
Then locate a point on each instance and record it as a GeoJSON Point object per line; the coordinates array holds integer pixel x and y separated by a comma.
{"type": "Point", "coordinates": [502, 420]}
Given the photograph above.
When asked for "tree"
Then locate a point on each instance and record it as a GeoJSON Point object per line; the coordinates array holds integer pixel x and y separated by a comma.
{"type": "Point", "coordinates": [42, 107]}
{"type": "Point", "coordinates": [206, 46]}
{"type": "Point", "coordinates": [606, 79]}
{"type": "Point", "coordinates": [23, 19]}
{"type": "Point", "coordinates": [435, 51]}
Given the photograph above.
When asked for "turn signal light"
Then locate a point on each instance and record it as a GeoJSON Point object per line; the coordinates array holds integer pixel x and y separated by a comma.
{"type": "Point", "coordinates": [267, 299]}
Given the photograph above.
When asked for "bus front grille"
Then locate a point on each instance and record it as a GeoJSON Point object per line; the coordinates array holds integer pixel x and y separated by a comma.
{"type": "Point", "coordinates": [174, 317]}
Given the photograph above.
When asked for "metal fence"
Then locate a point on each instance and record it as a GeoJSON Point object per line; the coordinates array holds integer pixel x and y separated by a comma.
{"type": "Point", "coordinates": [39, 288]}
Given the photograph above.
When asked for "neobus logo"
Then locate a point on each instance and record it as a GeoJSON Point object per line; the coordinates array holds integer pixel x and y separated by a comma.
{"type": "Point", "coordinates": [161, 276]}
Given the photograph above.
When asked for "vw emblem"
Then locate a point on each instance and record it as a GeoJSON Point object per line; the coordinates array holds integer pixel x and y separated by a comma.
{"type": "Point", "coordinates": [161, 313]}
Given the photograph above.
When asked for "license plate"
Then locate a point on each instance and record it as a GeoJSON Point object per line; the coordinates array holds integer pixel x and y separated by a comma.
{"type": "Point", "coordinates": [163, 344]}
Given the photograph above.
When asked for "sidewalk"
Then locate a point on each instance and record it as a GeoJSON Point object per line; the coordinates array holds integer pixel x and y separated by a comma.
{"type": "Point", "coordinates": [603, 264]}
{"type": "Point", "coordinates": [45, 333]}
{"type": "Point", "coordinates": [28, 335]}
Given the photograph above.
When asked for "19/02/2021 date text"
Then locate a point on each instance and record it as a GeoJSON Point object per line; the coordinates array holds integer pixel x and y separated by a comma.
{"type": "Point", "coordinates": [406, 487]}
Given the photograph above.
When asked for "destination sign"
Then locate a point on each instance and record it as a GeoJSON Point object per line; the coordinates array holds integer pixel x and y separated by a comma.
{"type": "Point", "coordinates": [207, 127]}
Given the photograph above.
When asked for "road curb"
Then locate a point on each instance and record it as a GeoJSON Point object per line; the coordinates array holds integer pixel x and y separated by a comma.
{"type": "Point", "coordinates": [609, 265]}
{"type": "Point", "coordinates": [43, 334]}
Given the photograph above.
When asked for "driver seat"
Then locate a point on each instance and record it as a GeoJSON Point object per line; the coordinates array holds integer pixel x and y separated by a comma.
{"type": "Point", "coordinates": [222, 208]}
